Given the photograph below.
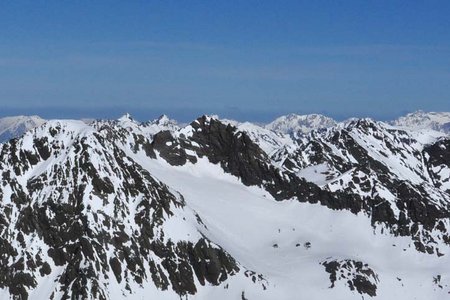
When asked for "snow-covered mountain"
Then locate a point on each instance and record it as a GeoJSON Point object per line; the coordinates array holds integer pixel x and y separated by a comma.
{"type": "Point", "coordinates": [385, 166]}
{"type": "Point", "coordinates": [11, 127]}
{"type": "Point", "coordinates": [439, 121]}
{"type": "Point", "coordinates": [162, 123]}
{"type": "Point", "coordinates": [224, 210]}
{"type": "Point", "coordinates": [294, 124]}
{"type": "Point", "coordinates": [269, 140]}
{"type": "Point", "coordinates": [82, 219]}
{"type": "Point", "coordinates": [126, 125]}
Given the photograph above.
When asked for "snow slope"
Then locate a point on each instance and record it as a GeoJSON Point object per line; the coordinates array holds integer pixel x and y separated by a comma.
{"type": "Point", "coordinates": [122, 209]}
{"type": "Point", "coordinates": [269, 140]}
{"type": "Point", "coordinates": [249, 223]}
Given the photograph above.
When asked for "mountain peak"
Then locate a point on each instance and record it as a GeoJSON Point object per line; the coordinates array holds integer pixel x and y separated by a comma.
{"type": "Point", "coordinates": [126, 118]}
{"type": "Point", "coordinates": [420, 119]}
{"type": "Point", "coordinates": [294, 124]}
{"type": "Point", "coordinates": [137, 210]}
{"type": "Point", "coordinates": [164, 120]}
{"type": "Point", "coordinates": [360, 122]}
{"type": "Point", "coordinates": [15, 126]}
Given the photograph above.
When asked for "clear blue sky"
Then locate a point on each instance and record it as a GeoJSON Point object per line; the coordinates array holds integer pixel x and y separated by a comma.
{"type": "Point", "coordinates": [250, 60]}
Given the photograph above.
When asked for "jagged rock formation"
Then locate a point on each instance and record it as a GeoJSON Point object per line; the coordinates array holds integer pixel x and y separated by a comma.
{"type": "Point", "coordinates": [77, 209]}
{"type": "Point", "coordinates": [397, 177]}
{"type": "Point", "coordinates": [355, 274]}
{"type": "Point", "coordinates": [120, 209]}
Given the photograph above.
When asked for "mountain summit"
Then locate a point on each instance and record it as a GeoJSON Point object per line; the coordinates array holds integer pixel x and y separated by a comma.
{"type": "Point", "coordinates": [294, 124]}
{"type": "Point", "coordinates": [11, 127]}
{"type": "Point", "coordinates": [120, 209]}
{"type": "Point", "coordinates": [439, 121]}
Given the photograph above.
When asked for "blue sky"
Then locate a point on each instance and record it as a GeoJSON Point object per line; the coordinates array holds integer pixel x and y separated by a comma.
{"type": "Point", "coordinates": [251, 60]}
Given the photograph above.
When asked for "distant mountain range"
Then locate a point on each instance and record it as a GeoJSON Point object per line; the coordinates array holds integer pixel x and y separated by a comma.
{"type": "Point", "coordinates": [11, 127]}
{"type": "Point", "coordinates": [293, 124]}
{"type": "Point", "coordinates": [439, 121]}
{"type": "Point", "coordinates": [301, 208]}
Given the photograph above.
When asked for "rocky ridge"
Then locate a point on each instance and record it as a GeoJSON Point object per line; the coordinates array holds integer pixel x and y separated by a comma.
{"type": "Point", "coordinates": [81, 209]}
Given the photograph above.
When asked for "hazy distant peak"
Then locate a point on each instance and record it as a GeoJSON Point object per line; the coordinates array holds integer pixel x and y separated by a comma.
{"type": "Point", "coordinates": [424, 120]}
{"type": "Point", "coordinates": [164, 120]}
{"type": "Point", "coordinates": [15, 126]}
{"type": "Point", "coordinates": [294, 123]}
{"type": "Point", "coordinates": [126, 118]}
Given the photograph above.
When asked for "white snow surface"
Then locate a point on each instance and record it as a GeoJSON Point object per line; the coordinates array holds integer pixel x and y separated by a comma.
{"type": "Point", "coordinates": [269, 141]}
{"type": "Point", "coordinates": [264, 235]}
{"type": "Point", "coordinates": [300, 124]}
{"type": "Point", "coordinates": [150, 128]}
{"type": "Point", "coordinates": [247, 222]}
{"type": "Point", "coordinates": [425, 120]}
{"type": "Point", "coordinates": [15, 126]}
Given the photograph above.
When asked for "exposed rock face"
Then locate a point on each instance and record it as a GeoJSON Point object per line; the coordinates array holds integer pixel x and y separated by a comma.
{"type": "Point", "coordinates": [76, 207]}
{"type": "Point", "coordinates": [402, 183]}
{"type": "Point", "coordinates": [80, 207]}
{"type": "Point", "coordinates": [238, 155]}
{"type": "Point", "coordinates": [355, 274]}
{"type": "Point", "coordinates": [360, 175]}
{"type": "Point", "coordinates": [438, 164]}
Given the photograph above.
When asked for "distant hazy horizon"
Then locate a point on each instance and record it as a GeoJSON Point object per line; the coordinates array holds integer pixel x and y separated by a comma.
{"type": "Point", "coordinates": [183, 115]}
{"type": "Point", "coordinates": [247, 60]}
